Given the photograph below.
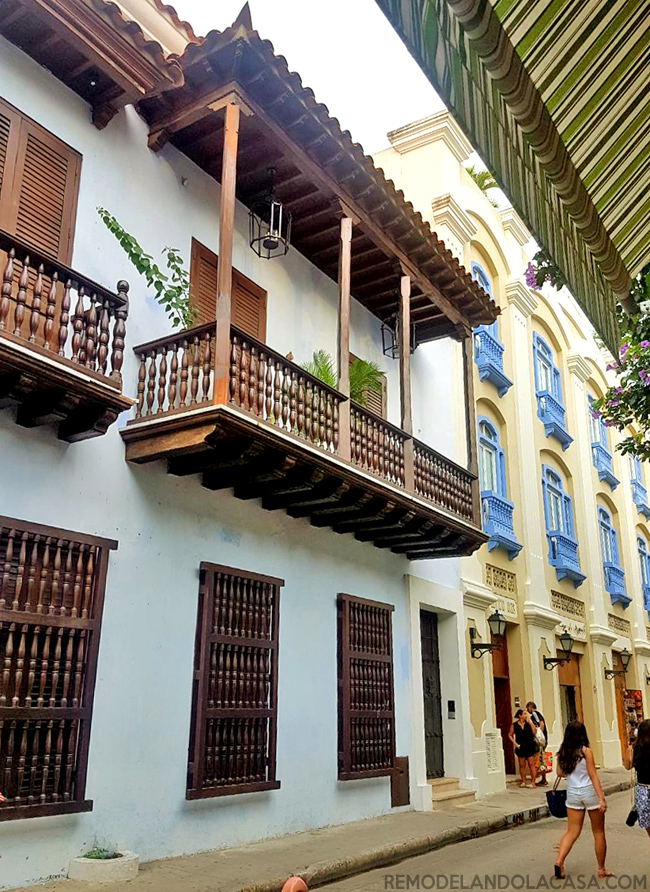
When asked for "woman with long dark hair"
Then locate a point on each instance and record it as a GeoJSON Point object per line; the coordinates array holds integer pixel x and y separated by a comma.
{"type": "Point", "coordinates": [575, 762]}
{"type": "Point", "coordinates": [522, 736]}
{"type": "Point", "coordinates": [638, 757]}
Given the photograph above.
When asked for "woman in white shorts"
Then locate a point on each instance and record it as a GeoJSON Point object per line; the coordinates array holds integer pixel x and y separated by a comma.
{"type": "Point", "coordinates": [638, 757]}
{"type": "Point", "coordinates": [575, 761]}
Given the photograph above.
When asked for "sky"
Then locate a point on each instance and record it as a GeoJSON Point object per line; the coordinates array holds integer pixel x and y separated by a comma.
{"type": "Point", "coordinates": [345, 50]}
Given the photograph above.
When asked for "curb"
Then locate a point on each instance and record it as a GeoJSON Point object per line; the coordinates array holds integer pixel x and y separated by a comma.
{"type": "Point", "coordinates": [323, 872]}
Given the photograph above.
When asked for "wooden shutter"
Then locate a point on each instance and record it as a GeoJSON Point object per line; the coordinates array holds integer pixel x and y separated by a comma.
{"type": "Point", "coordinates": [234, 703]}
{"type": "Point", "coordinates": [366, 698]}
{"type": "Point", "coordinates": [39, 185]}
{"type": "Point", "coordinates": [248, 310]}
{"type": "Point", "coordinates": [376, 401]}
{"type": "Point", "coordinates": [51, 602]}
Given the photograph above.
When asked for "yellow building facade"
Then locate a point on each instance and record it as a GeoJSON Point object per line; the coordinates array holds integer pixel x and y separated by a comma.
{"type": "Point", "coordinates": [567, 515]}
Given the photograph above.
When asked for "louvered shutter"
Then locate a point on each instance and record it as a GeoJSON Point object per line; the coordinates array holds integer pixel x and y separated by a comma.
{"type": "Point", "coordinates": [248, 310]}
{"type": "Point", "coordinates": [375, 401]}
{"type": "Point", "coordinates": [10, 123]}
{"type": "Point", "coordinates": [365, 682]}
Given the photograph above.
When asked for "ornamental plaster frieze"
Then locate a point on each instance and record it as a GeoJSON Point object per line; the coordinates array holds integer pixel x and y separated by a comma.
{"type": "Point", "coordinates": [521, 297]}
{"type": "Point", "coordinates": [540, 615]}
{"type": "Point", "coordinates": [447, 212]}
{"type": "Point", "coordinates": [477, 595]}
{"type": "Point", "coordinates": [440, 126]}
{"type": "Point", "coordinates": [602, 635]}
{"type": "Point", "coordinates": [579, 367]}
{"type": "Point", "coordinates": [512, 224]}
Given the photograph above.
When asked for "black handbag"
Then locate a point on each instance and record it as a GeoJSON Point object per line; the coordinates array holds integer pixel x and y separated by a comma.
{"type": "Point", "coordinates": [556, 800]}
{"type": "Point", "coordinates": [633, 816]}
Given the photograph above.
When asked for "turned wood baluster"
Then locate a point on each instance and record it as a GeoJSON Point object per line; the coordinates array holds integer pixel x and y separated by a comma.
{"type": "Point", "coordinates": [69, 765]}
{"type": "Point", "coordinates": [300, 418]}
{"type": "Point", "coordinates": [308, 401]}
{"type": "Point", "coordinates": [47, 750]}
{"type": "Point", "coordinates": [5, 294]}
{"type": "Point", "coordinates": [381, 449]}
{"type": "Point", "coordinates": [184, 374]}
{"type": "Point", "coordinates": [173, 375]}
{"type": "Point", "coordinates": [49, 312]}
{"type": "Point", "coordinates": [261, 384]}
{"type": "Point", "coordinates": [90, 341]}
{"type": "Point", "coordinates": [207, 365]}
{"type": "Point", "coordinates": [328, 419]}
{"type": "Point", "coordinates": [6, 576]}
{"type": "Point", "coordinates": [45, 572]}
{"type": "Point", "coordinates": [252, 380]}
{"type": "Point", "coordinates": [151, 383]}
{"type": "Point", "coordinates": [31, 672]}
{"type": "Point", "coordinates": [277, 395]}
{"type": "Point", "coordinates": [142, 377]}
{"type": "Point", "coordinates": [321, 417]}
{"type": "Point", "coordinates": [36, 305]}
{"type": "Point", "coordinates": [77, 588]}
{"type": "Point", "coordinates": [268, 394]}
{"type": "Point", "coordinates": [285, 398]}
{"type": "Point", "coordinates": [21, 298]}
{"type": "Point", "coordinates": [57, 761]}
{"type": "Point", "coordinates": [103, 338]}
{"type": "Point", "coordinates": [243, 374]}
{"type": "Point", "coordinates": [20, 665]}
{"type": "Point", "coordinates": [335, 424]}
{"type": "Point", "coordinates": [78, 325]}
{"type": "Point", "coordinates": [196, 362]}
{"type": "Point", "coordinates": [293, 395]}
{"type": "Point", "coordinates": [234, 374]}
{"type": "Point", "coordinates": [162, 379]}
{"type": "Point", "coordinates": [65, 318]}
{"type": "Point", "coordinates": [31, 575]}
{"type": "Point", "coordinates": [119, 332]}
{"type": "Point", "coordinates": [67, 667]}
{"type": "Point", "coordinates": [20, 573]}
{"type": "Point", "coordinates": [363, 436]}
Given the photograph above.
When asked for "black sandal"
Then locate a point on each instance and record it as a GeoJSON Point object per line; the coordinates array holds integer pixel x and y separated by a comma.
{"type": "Point", "coordinates": [559, 872]}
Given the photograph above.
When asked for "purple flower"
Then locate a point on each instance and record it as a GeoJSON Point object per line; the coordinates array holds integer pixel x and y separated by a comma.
{"type": "Point", "coordinates": [617, 390]}
{"type": "Point", "coordinates": [608, 423]}
{"type": "Point", "coordinates": [529, 276]}
{"type": "Point", "coordinates": [612, 367]}
{"type": "Point", "coordinates": [644, 344]}
{"type": "Point", "coordinates": [623, 350]}
{"type": "Point", "coordinates": [595, 413]}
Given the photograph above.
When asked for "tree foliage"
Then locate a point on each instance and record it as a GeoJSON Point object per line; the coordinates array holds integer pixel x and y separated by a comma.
{"type": "Point", "coordinates": [365, 377]}
{"type": "Point", "coordinates": [485, 181]}
{"type": "Point", "coordinates": [172, 291]}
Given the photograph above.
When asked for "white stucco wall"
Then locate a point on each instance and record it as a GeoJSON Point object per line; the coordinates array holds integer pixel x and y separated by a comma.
{"type": "Point", "coordinates": [166, 525]}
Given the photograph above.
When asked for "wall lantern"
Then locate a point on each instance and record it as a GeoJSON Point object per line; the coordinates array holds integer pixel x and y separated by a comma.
{"type": "Point", "coordinates": [497, 624]}
{"type": "Point", "coordinates": [566, 644]}
{"type": "Point", "coordinates": [269, 225]}
{"type": "Point", "coordinates": [625, 656]}
{"type": "Point", "coordinates": [389, 338]}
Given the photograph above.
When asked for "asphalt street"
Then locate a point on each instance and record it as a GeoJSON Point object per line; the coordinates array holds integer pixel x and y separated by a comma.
{"type": "Point", "coordinates": [522, 859]}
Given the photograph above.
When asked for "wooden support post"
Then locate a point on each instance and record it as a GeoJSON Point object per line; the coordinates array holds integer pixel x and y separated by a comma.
{"type": "Point", "coordinates": [345, 260]}
{"type": "Point", "coordinates": [224, 263]}
{"type": "Point", "coordinates": [405, 378]}
{"type": "Point", "coordinates": [470, 419]}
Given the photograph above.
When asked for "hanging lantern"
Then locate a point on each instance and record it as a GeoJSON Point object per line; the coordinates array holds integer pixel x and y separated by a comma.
{"type": "Point", "coordinates": [269, 225]}
{"type": "Point", "coordinates": [390, 338]}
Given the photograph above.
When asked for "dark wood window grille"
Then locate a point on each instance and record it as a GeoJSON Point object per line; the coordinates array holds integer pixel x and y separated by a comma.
{"type": "Point", "coordinates": [51, 599]}
{"type": "Point", "coordinates": [234, 703]}
{"type": "Point", "coordinates": [366, 698]}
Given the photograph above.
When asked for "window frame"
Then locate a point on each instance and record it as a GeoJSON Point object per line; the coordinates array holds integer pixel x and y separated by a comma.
{"type": "Point", "coordinates": [345, 657]}
{"type": "Point", "coordinates": [544, 358]}
{"type": "Point", "coordinates": [205, 638]}
{"type": "Point", "coordinates": [644, 560]}
{"type": "Point", "coordinates": [608, 537]}
{"type": "Point", "coordinates": [479, 275]}
{"type": "Point", "coordinates": [490, 442]}
{"type": "Point", "coordinates": [553, 486]}
{"type": "Point", "coordinates": [88, 595]}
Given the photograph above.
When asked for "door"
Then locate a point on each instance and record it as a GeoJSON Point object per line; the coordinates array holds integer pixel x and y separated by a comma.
{"type": "Point", "coordinates": [619, 683]}
{"type": "Point", "coordinates": [502, 701]}
{"type": "Point", "coordinates": [570, 694]}
{"type": "Point", "coordinates": [432, 694]}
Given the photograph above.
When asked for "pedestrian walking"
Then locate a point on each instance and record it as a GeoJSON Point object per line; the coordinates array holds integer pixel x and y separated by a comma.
{"type": "Point", "coordinates": [541, 736]}
{"type": "Point", "coordinates": [637, 757]}
{"type": "Point", "coordinates": [575, 762]}
{"type": "Point", "coordinates": [522, 736]}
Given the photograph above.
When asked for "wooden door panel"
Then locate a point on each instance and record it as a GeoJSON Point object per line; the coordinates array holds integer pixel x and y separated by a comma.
{"type": "Point", "coordinates": [433, 731]}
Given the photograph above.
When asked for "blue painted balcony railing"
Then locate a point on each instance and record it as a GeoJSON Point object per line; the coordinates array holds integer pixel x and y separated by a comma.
{"type": "Point", "coordinates": [640, 497]}
{"type": "Point", "coordinates": [615, 583]}
{"type": "Point", "coordinates": [497, 523]}
{"type": "Point", "coordinates": [602, 459]}
{"type": "Point", "coordinates": [646, 597]}
{"type": "Point", "coordinates": [563, 555]}
{"type": "Point", "coordinates": [488, 354]}
{"type": "Point", "coordinates": [551, 411]}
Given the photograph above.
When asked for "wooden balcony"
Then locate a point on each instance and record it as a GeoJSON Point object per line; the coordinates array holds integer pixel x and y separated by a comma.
{"type": "Point", "coordinates": [61, 344]}
{"type": "Point", "coordinates": [278, 439]}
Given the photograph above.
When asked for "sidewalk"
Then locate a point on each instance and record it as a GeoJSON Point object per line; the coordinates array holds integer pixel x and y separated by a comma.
{"type": "Point", "coordinates": [329, 854]}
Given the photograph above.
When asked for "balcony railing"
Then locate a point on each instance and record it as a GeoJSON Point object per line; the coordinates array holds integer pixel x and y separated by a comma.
{"type": "Point", "coordinates": [551, 411]}
{"type": "Point", "coordinates": [497, 523]}
{"type": "Point", "coordinates": [615, 583]}
{"type": "Point", "coordinates": [563, 555]}
{"type": "Point", "coordinates": [602, 460]}
{"type": "Point", "coordinates": [61, 342]}
{"type": "Point", "coordinates": [640, 498]}
{"type": "Point", "coordinates": [488, 354]}
{"type": "Point", "coordinates": [176, 376]}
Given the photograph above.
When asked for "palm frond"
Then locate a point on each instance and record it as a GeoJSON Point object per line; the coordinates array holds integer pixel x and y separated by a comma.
{"type": "Point", "coordinates": [485, 181]}
{"type": "Point", "coordinates": [365, 377]}
{"type": "Point", "coordinates": [322, 366]}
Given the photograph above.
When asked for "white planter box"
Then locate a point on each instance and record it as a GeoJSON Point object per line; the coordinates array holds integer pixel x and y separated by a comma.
{"type": "Point", "coordinates": [105, 870]}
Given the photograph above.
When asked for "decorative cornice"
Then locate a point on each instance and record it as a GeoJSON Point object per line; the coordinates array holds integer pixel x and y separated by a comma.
{"type": "Point", "coordinates": [447, 212]}
{"type": "Point", "coordinates": [477, 595]}
{"type": "Point", "coordinates": [601, 635]}
{"type": "Point", "coordinates": [641, 647]}
{"type": "Point", "coordinates": [579, 366]}
{"type": "Point", "coordinates": [512, 224]}
{"type": "Point", "coordinates": [521, 297]}
{"type": "Point", "coordinates": [440, 126]}
{"type": "Point", "coordinates": [541, 615]}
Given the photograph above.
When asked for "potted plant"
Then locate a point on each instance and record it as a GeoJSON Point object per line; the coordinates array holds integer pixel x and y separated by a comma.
{"type": "Point", "coordinates": [104, 865]}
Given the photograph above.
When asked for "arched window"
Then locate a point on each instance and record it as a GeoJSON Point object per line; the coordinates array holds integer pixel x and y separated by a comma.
{"type": "Point", "coordinates": [491, 459]}
{"type": "Point", "coordinates": [612, 570]}
{"type": "Point", "coordinates": [479, 275]}
{"type": "Point", "coordinates": [600, 453]}
{"type": "Point", "coordinates": [644, 565]}
{"type": "Point", "coordinates": [608, 543]}
{"type": "Point", "coordinates": [548, 390]}
{"type": "Point", "coordinates": [560, 533]}
{"type": "Point", "coordinates": [639, 492]}
{"type": "Point", "coordinates": [488, 349]}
